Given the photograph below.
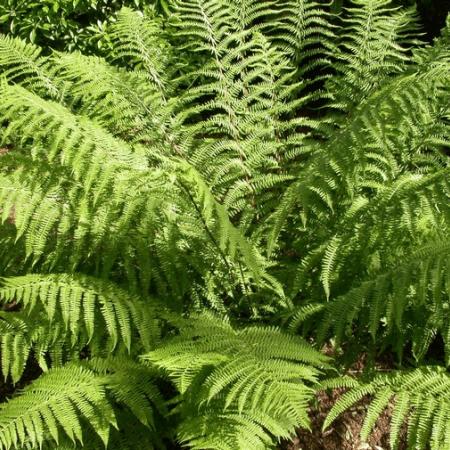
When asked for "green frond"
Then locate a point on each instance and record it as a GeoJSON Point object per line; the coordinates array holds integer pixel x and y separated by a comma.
{"type": "Point", "coordinates": [26, 205]}
{"type": "Point", "coordinates": [133, 385]}
{"type": "Point", "coordinates": [389, 296]}
{"type": "Point", "coordinates": [72, 140]}
{"type": "Point", "coordinates": [303, 29]}
{"type": "Point", "coordinates": [137, 435]}
{"type": "Point", "coordinates": [54, 405]}
{"type": "Point", "coordinates": [123, 102]}
{"type": "Point", "coordinates": [373, 46]}
{"type": "Point", "coordinates": [203, 24]}
{"type": "Point", "coordinates": [225, 431]}
{"type": "Point", "coordinates": [14, 346]}
{"type": "Point", "coordinates": [301, 314]}
{"type": "Point", "coordinates": [248, 129]}
{"type": "Point", "coordinates": [24, 336]}
{"type": "Point", "coordinates": [22, 63]}
{"type": "Point", "coordinates": [258, 374]}
{"type": "Point", "coordinates": [372, 148]}
{"type": "Point", "coordinates": [356, 394]}
{"type": "Point", "coordinates": [137, 39]}
{"type": "Point", "coordinates": [85, 305]}
{"type": "Point", "coordinates": [229, 239]}
{"type": "Point", "coordinates": [328, 264]}
{"type": "Point", "coordinates": [420, 394]}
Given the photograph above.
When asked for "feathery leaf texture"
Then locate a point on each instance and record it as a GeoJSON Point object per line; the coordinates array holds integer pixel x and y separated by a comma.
{"type": "Point", "coordinates": [419, 397]}
{"type": "Point", "coordinates": [231, 166]}
{"type": "Point", "coordinates": [249, 379]}
{"type": "Point", "coordinates": [56, 404]}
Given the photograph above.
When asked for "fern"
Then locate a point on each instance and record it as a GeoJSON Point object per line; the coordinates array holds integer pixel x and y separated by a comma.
{"type": "Point", "coordinates": [374, 45]}
{"type": "Point", "coordinates": [77, 299]}
{"type": "Point", "coordinates": [132, 385]}
{"type": "Point", "coordinates": [223, 178]}
{"type": "Point", "coordinates": [138, 41]}
{"type": "Point", "coordinates": [52, 406]}
{"type": "Point", "coordinates": [419, 395]}
{"type": "Point", "coordinates": [22, 63]}
{"type": "Point", "coordinates": [248, 380]}
{"type": "Point", "coordinates": [66, 313]}
{"type": "Point", "coordinates": [57, 407]}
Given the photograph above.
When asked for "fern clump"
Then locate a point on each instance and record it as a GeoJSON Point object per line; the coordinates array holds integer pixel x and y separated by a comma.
{"type": "Point", "coordinates": [186, 220]}
{"type": "Point", "coordinates": [250, 379]}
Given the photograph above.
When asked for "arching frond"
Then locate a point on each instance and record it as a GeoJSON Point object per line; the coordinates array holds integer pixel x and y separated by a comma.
{"type": "Point", "coordinates": [22, 63]}
{"type": "Point", "coordinates": [83, 304]}
{"type": "Point", "coordinates": [417, 283]}
{"type": "Point", "coordinates": [123, 102]}
{"type": "Point", "coordinates": [419, 398]}
{"type": "Point", "coordinates": [55, 405]}
{"type": "Point", "coordinates": [257, 373]}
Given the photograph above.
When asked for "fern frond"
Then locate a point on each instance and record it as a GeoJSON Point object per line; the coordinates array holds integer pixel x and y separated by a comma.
{"type": "Point", "coordinates": [420, 394]}
{"type": "Point", "coordinates": [248, 130]}
{"type": "Point", "coordinates": [22, 63]}
{"type": "Point", "coordinates": [374, 45]}
{"type": "Point", "coordinates": [137, 39]}
{"type": "Point", "coordinates": [304, 30]}
{"type": "Point", "coordinates": [133, 385]}
{"type": "Point", "coordinates": [229, 238]}
{"type": "Point", "coordinates": [226, 431]}
{"type": "Point", "coordinates": [123, 102]}
{"type": "Point", "coordinates": [261, 374]}
{"type": "Point", "coordinates": [227, 128]}
{"type": "Point", "coordinates": [391, 294]}
{"type": "Point", "coordinates": [69, 138]}
{"type": "Point", "coordinates": [13, 341]}
{"type": "Point", "coordinates": [23, 336]}
{"type": "Point", "coordinates": [203, 25]}
{"type": "Point", "coordinates": [54, 404]}
{"type": "Point", "coordinates": [83, 304]}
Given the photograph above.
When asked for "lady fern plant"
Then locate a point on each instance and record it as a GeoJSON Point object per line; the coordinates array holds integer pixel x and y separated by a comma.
{"type": "Point", "coordinates": [176, 214]}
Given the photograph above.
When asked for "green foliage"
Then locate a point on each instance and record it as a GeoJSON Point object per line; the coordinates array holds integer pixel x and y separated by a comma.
{"type": "Point", "coordinates": [56, 402]}
{"type": "Point", "coordinates": [251, 381]}
{"type": "Point", "coordinates": [232, 167]}
{"type": "Point", "coordinates": [420, 399]}
{"type": "Point", "coordinates": [61, 24]}
{"type": "Point", "coordinates": [83, 306]}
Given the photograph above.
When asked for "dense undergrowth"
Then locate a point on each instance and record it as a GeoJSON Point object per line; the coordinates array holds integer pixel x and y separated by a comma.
{"type": "Point", "coordinates": [187, 222]}
{"type": "Point", "coordinates": [66, 25]}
